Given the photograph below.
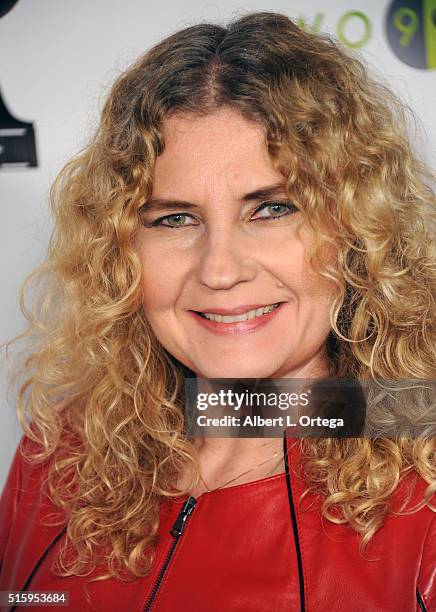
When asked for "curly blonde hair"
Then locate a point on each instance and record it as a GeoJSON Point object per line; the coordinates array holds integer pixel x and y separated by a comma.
{"type": "Point", "coordinates": [101, 396]}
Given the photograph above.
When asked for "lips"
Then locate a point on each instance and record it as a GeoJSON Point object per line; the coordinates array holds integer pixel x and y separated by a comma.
{"type": "Point", "coordinates": [245, 315]}
{"type": "Point", "coordinates": [233, 311]}
{"type": "Point", "coordinates": [225, 324]}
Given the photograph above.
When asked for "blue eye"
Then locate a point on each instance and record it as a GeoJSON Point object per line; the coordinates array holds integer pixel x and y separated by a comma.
{"type": "Point", "coordinates": [270, 211]}
{"type": "Point", "coordinates": [277, 210]}
{"type": "Point", "coordinates": [174, 221]}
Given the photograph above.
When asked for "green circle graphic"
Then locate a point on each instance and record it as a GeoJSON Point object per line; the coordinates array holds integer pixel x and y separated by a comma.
{"type": "Point", "coordinates": [341, 29]}
{"type": "Point", "coordinates": [411, 32]}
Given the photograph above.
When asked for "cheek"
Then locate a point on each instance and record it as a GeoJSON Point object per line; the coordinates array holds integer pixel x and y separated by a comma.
{"type": "Point", "coordinates": [313, 292]}
{"type": "Point", "coordinates": [166, 262]}
{"type": "Point", "coordinates": [156, 286]}
{"type": "Point", "coordinates": [159, 281]}
{"type": "Point", "coordinates": [158, 298]}
{"type": "Point", "coordinates": [312, 282]}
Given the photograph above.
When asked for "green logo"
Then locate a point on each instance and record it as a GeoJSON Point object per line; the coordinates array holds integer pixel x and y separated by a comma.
{"type": "Point", "coordinates": [346, 20]}
{"type": "Point", "coordinates": [411, 32]}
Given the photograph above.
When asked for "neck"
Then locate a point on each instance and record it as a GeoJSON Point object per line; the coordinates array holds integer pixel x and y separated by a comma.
{"type": "Point", "coordinates": [229, 448]}
{"type": "Point", "coordinates": [222, 458]}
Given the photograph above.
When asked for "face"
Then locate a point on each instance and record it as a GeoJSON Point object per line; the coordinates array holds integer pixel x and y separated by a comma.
{"type": "Point", "coordinates": [226, 286]}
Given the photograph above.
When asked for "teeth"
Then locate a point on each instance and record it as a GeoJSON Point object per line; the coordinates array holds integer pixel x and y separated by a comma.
{"type": "Point", "coordinates": [245, 316]}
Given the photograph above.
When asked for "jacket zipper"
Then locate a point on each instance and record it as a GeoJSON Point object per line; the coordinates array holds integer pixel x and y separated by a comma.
{"type": "Point", "coordinates": [176, 531]}
{"type": "Point", "coordinates": [420, 602]}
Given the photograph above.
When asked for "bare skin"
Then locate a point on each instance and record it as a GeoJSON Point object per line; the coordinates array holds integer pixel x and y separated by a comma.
{"type": "Point", "coordinates": [217, 247]}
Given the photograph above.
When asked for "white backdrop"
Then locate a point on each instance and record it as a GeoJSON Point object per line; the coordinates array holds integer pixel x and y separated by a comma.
{"type": "Point", "coordinates": [57, 60]}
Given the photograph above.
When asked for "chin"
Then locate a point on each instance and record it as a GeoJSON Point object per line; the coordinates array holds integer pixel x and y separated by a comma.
{"type": "Point", "coordinates": [236, 371]}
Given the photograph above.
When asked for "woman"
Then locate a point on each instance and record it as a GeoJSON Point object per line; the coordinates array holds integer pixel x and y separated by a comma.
{"type": "Point", "coordinates": [249, 208]}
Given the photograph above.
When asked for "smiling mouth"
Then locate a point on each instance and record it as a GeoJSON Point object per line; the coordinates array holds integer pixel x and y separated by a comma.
{"type": "Point", "coordinates": [245, 316]}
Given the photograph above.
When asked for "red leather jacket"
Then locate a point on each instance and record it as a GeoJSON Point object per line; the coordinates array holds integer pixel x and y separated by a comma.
{"type": "Point", "coordinates": [249, 547]}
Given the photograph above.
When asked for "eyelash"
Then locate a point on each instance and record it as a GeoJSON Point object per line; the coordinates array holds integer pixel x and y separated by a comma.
{"type": "Point", "coordinates": [291, 208]}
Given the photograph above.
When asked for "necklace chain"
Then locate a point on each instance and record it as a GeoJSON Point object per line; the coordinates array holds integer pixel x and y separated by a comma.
{"type": "Point", "coordinates": [240, 475]}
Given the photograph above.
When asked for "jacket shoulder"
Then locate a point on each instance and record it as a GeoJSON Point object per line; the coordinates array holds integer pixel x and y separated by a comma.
{"type": "Point", "coordinates": [23, 485]}
{"type": "Point", "coordinates": [9, 498]}
{"type": "Point", "coordinates": [29, 521]}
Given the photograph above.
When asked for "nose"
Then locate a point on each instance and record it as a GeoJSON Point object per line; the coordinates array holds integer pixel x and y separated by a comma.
{"type": "Point", "coordinates": [225, 260]}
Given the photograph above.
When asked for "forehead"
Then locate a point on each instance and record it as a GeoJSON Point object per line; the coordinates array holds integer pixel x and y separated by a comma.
{"type": "Point", "coordinates": [222, 150]}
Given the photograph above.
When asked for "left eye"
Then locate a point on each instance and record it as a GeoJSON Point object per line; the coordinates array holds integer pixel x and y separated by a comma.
{"type": "Point", "coordinates": [275, 210]}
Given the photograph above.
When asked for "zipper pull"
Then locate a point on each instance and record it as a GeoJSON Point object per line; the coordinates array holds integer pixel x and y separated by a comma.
{"type": "Point", "coordinates": [179, 524]}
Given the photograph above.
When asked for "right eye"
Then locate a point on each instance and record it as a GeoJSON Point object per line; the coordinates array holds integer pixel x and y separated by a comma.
{"type": "Point", "coordinates": [173, 221]}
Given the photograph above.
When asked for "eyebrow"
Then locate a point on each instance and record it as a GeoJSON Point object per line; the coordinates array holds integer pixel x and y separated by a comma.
{"type": "Point", "coordinates": [263, 193]}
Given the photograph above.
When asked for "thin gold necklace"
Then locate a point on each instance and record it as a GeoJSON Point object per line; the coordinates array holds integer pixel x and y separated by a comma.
{"type": "Point", "coordinates": [240, 475]}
